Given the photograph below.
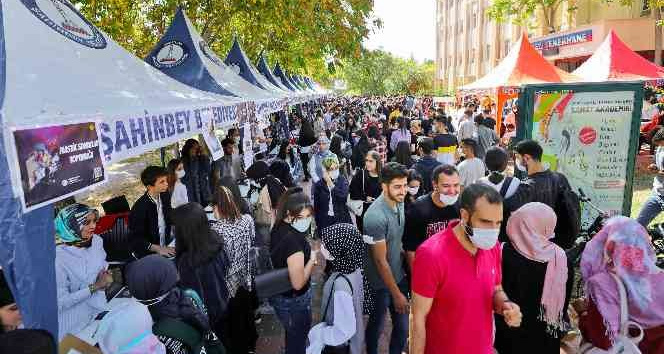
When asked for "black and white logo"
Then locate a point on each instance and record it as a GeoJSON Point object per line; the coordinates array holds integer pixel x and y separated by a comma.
{"type": "Point", "coordinates": [171, 54]}
{"type": "Point", "coordinates": [62, 17]}
{"type": "Point", "coordinates": [205, 49]}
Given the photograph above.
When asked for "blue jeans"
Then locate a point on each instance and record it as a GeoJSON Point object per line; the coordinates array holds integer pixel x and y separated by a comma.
{"type": "Point", "coordinates": [294, 313]}
{"type": "Point", "coordinates": [650, 209]}
{"type": "Point", "coordinates": [376, 322]}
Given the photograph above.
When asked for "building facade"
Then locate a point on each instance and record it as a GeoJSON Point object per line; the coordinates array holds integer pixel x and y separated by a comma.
{"type": "Point", "coordinates": [469, 44]}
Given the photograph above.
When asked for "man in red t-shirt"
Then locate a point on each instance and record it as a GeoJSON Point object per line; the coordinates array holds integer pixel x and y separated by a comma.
{"type": "Point", "coordinates": [457, 281]}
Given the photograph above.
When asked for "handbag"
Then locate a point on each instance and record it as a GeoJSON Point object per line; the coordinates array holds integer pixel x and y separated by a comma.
{"type": "Point", "coordinates": [273, 283]}
{"type": "Point", "coordinates": [356, 206]}
{"type": "Point", "coordinates": [624, 343]}
{"type": "Point", "coordinates": [343, 348]}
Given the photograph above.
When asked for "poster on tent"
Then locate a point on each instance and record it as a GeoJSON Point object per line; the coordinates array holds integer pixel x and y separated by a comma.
{"type": "Point", "coordinates": [210, 138]}
{"type": "Point", "coordinates": [247, 145]}
{"type": "Point", "coordinates": [589, 134]}
{"type": "Point", "coordinates": [56, 162]}
{"type": "Point", "coordinates": [507, 99]}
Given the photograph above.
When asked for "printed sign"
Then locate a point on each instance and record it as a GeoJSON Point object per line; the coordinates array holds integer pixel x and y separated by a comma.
{"type": "Point", "coordinates": [246, 147]}
{"type": "Point", "coordinates": [210, 138]}
{"type": "Point", "coordinates": [564, 40]}
{"type": "Point", "coordinates": [170, 55]}
{"type": "Point", "coordinates": [63, 18]}
{"type": "Point", "coordinates": [56, 162]}
{"type": "Point", "coordinates": [586, 136]}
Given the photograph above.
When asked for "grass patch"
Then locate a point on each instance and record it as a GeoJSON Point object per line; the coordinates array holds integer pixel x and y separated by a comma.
{"type": "Point", "coordinates": [642, 186]}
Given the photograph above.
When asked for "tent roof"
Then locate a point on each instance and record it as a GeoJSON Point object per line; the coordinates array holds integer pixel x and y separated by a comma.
{"type": "Point", "coordinates": [281, 75]}
{"type": "Point", "coordinates": [77, 73]}
{"type": "Point", "coordinates": [264, 69]}
{"type": "Point", "coordinates": [237, 57]}
{"type": "Point", "coordinates": [615, 61]}
{"type": "Point", "coordinates": [183, 55]}
{"type": "Point", "coordinates": [522, 65]}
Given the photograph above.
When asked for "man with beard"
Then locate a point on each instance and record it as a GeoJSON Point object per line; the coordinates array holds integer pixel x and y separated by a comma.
{"type": "Point", "coordinates": [384, 222]}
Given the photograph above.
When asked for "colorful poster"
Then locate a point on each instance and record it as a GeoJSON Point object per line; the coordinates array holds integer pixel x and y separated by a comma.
{"type": "Point", "coordinates": [57, 162]}
{"type": "Point", "coordinates": [507, 99]}
{"type": "Point", "coordinates": [586, 136]}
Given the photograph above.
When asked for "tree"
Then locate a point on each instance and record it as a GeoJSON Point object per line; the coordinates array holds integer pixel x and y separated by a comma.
{"type": "Point", "coordinates": [303, 35]}
{"type": "Point", "coordinates": [520, 11]}
{"type": "Point", "coordinates": [379, 73]}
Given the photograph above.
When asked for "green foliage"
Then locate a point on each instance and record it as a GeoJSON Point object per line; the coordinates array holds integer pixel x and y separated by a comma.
{"type": "Point", "coordinates": [380, 73]}
{"type": "Point", "coordinates": [522, 11]}
{"type": "Point", "coordinates": [305, 36]}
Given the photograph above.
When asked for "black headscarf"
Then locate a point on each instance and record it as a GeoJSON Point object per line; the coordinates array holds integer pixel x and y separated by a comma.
{"type": "Point", "coordinates": [260, 172]}
{"type": "Point", "coordinates": [6, 297]}
{"type": "Point", "coordinates": [152, 280]}
{"type": "Point", "coordinates": [281, 170]}
{"type": "Point", "coordinates": [345, 244]}
{"type": "Point", "coordinates": [28, 341]}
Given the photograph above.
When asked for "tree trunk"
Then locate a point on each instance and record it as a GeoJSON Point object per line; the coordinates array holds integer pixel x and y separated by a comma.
{"type": "Point", "coordinates": [657, 14]}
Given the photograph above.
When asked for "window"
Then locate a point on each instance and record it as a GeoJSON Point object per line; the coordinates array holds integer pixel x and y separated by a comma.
{"type": "Point", "coordinates": [487, 52]}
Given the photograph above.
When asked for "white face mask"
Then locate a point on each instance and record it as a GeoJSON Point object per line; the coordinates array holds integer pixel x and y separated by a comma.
{"type": "Point", "coordinates": [448, 199]}
{"type": "Point", "coordinates": [484, 239]}
{"type": "Point", "coordinates": [413, 190]}
{"type": "Point", "coordinates": [520, 166]}
{"type": "Point", "coordinates": [179, 174]}
{"type": "Point", "coordinates": [326, 254]}
{"type": "Point", "coordinates": [302, 225]}
{"type": "Point", "coordinates": [334, 174]}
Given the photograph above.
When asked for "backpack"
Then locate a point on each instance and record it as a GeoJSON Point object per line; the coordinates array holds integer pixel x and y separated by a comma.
{"type": "Point", "coordinates": [263, 212]}
{"type": "Point", "coordinates": [568, 210]}
{"type": "Point", "coordinates": [169, 330]}
{"type": "Point", "coordinates": [624, 342]}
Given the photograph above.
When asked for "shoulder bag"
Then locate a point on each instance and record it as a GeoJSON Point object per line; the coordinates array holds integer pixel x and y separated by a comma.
{"type": "Point", "coordinates": [624, 343]}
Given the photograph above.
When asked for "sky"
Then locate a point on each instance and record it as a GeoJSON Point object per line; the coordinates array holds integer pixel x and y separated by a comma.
{"type": "Point", "coordinates": [409, 28]}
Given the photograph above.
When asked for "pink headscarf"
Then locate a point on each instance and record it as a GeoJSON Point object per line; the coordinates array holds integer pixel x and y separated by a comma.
{"type": "Point", "coordinates": [623, 247]}
{"type": "Point", "coordinates": [530, 228]}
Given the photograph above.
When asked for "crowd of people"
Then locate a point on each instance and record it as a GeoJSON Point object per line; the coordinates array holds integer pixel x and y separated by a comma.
{"type": "Point", "coordinates": [415, 215]}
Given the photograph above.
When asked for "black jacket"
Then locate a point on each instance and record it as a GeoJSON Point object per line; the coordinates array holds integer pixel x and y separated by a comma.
{"type": "Point", "coordinates": [144, 225]}
{"type": "Point", "coordinates": [543, 187]}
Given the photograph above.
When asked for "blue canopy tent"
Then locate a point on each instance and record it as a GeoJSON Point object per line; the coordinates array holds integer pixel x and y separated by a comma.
{"type": "Point", "coordinates": [281, 75]}
{"type": "Point", "coordinates": [64, 75]}
{"type": "Point", "coordinates": [237, 58]}
{"type": "Point", "coordinates": [264, 69]}
{"type": "Point", "coordinates": [183, 55]}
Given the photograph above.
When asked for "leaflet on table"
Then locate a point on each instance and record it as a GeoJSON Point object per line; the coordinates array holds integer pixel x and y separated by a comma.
{"type": "Point", "coordinates": [56, 162]}
{"type": "Point", "coordinates": [586, 136]}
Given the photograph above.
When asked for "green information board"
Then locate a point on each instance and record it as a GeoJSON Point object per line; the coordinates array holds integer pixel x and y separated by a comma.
{"type": "Point", "coordinates": [590, 133]}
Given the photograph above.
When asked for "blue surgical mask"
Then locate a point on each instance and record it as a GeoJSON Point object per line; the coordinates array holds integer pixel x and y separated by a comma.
{"type": "Point", "coordinates": [302, 225]}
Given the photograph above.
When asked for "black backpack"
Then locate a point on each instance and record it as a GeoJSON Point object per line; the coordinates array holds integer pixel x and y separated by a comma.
{"type": "Point", "coordinates": [568, 210]}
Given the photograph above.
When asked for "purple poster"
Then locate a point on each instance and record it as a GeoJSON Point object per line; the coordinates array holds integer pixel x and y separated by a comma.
{"type": "Point", "coordinates": [56, 162]}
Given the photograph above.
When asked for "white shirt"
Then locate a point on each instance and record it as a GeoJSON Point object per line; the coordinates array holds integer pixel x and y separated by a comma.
{"type": "Point", "coordinates": [467, 130]}
{"type": "Point", "coordinates": [179, 196]}
{"type": "Point", "coordinates": [471, 170]}
{"type": "Point", "coordinates": [510, 190]}
{"type": "Point", "coordinates": [161, 222]}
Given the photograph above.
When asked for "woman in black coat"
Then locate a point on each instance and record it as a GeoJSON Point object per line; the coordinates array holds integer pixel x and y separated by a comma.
{"type": "Point", "coordinates": [332, 187]}
{"type": "Point", "coordinates": [197, 173]}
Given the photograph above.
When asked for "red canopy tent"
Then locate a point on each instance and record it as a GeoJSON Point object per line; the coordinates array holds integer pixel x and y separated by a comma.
{"type": "Point", "coordinates": [523, 65]}
{"type": "Point", "coordinates": [615, 61]}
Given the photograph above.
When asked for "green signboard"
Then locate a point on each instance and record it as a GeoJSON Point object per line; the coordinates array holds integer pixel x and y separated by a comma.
{"type": "Point", "coordinates": [590, 133]}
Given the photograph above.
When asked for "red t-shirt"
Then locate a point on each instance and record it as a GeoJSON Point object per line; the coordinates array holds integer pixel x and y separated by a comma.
{"type": "Point", "coordinates": [462, 287]}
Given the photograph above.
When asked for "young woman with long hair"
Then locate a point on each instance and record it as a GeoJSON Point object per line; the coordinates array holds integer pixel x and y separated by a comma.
{"type": "Point", "coordinates": [177, 189]}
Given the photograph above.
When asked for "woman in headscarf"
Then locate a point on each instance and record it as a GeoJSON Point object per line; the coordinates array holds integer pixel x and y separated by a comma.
{"type": "Point", "coordinates": [238, 235]}
{"type": "Point", "coordinates": [201, 261]}
{"type": "Point", "coordinates": [80, 268]}
{"type": "Point", "coordinates": [265, 203]}
{"type": "Point", "coordinates": [128, 330]}
{"type": "Point", "coordinates": [536, 276]}
{"type": "Point", "coordinates": [622, 248]}
{"type": "Point", "coordinates": [343, 294]}
{"type": "Point", "coordinates": [153, 281]}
